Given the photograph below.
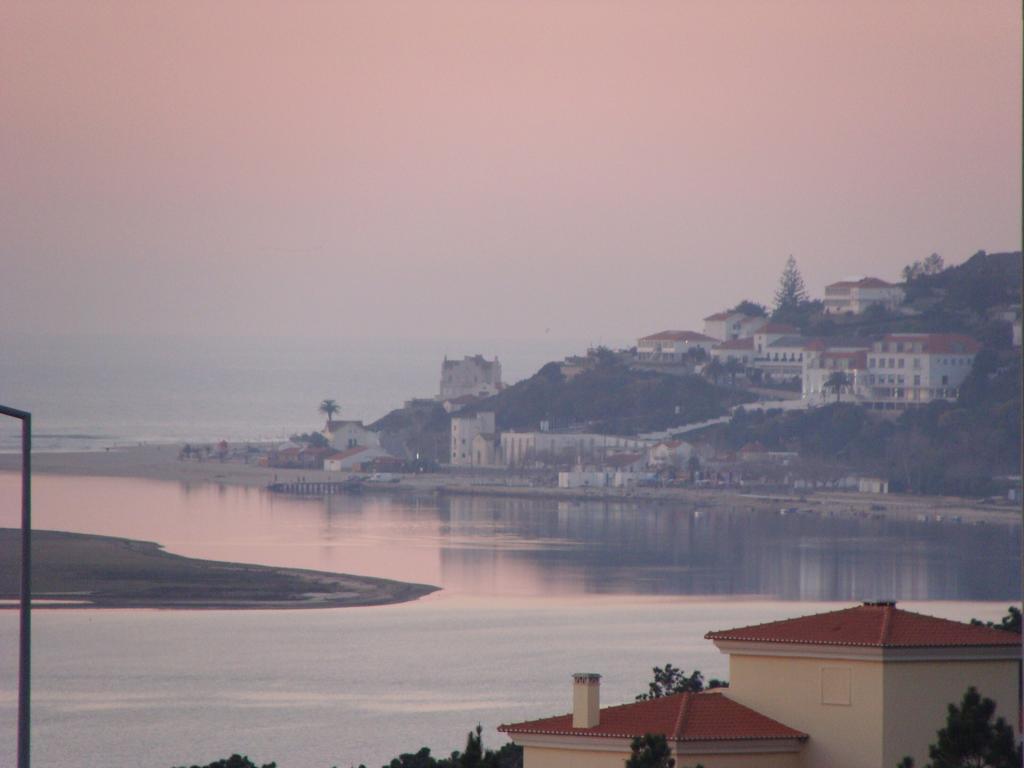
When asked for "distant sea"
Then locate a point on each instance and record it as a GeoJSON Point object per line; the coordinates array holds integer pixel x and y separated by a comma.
{"type": "Point", "coordinates": [97, 392]}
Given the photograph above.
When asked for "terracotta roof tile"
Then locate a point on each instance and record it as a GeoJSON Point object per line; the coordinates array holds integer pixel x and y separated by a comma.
{"type": "Point", "coordinates": [879, 625]}
{"type": "Point", "coordinates": [683, 717]}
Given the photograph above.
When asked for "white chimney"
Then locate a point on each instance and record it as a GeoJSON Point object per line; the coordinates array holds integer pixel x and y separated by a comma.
{"type": "Point", "coordinates": [586, 700]}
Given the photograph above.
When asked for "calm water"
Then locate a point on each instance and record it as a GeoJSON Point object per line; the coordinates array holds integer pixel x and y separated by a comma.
{"type": "Point", "coordinates": [532, 592]}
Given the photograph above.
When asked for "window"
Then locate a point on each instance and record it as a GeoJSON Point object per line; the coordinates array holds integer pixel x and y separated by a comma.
{"type": "Point", "coordinates": [945, 380]}
{"type": "Point", "coordinates": [871, 362]}
{"type": "Point", "coordinates": [917, 362]}
{"type": "Point", "coordinates": [917, 380]}
{"type": "Point", "coordinates": [900, 364]}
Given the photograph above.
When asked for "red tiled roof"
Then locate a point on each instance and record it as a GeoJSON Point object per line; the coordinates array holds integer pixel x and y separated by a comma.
{"type": "Point", "coordinates": [741, 344]}
{"type": "Point", "coordinates": [864, 282]}
{"type": "Point", "coordinates": [874, 282]}
{"type": "Point", "coordinates": [677, 336]}
{"type": "Point", "coordinates": [682, 717]}
{"type": "Point", "coordinates": [937, 343]}
{"type": "Point", "coordinates": [878, 625]}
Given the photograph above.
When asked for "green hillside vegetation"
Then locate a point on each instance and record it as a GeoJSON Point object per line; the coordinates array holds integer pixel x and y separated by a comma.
{"type": "Point", "coordinates": [944, 448]}
{"type": "Point", "coordinates": [609, 399]}
{"type": "Point", "coordinates": [954, 300]}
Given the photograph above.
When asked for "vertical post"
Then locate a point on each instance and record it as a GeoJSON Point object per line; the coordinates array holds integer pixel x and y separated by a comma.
{"type": "Point", "coordinates": [25, 636]}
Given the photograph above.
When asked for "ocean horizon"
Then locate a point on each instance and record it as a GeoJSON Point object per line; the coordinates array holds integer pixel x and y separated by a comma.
{"type": "Point", "coordinates": [91, 392]}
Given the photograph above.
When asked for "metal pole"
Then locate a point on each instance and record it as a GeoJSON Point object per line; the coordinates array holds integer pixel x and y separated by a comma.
{"type": "Point", "coordinates": [25, 633]}
{"type": "Point", "coordinates": [25, 637]}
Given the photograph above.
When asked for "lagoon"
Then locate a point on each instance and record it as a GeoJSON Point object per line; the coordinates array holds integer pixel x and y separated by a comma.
{"type": "Point", "coordinates": [531, 592]}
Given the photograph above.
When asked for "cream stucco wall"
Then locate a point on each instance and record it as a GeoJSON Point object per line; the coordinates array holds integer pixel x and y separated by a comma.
{"type": "Point", "coordinates": [790, 691]}
{"type": "Point", "coordinates": [917, 694]}
{"type": "Point", "coordinates": [547, 757]}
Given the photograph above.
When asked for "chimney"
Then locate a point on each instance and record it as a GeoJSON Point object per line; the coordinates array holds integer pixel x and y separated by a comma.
{"type": "Point", "coordinates": [586, 700]}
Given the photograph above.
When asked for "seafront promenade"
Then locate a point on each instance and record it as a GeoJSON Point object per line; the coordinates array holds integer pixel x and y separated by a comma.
{"type": "Point", "coordinates": [161, 462]}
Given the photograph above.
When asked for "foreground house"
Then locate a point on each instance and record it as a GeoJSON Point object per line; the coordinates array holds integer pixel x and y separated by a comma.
{"type": "Point", "coordinates": [860, 687]}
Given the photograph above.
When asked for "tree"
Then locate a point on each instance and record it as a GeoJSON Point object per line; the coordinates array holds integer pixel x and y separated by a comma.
{"type": "Point", "coordinates": [971, 739]}
{"type": "Point", "coordinates": [932, 265]}
{"type": "Point", "coordinates": [751, 309]}
{"type": "Point", "coordinates": [235, 761]}
{"type": "Point", "coordinates": [650, 751]}
{"type": "Point", "coordinates": [672, 680]}
{"type": "Point", "coordinates": [329, 407]}
{"type": "Point", "coordinates": [791, 292]}
{"type": "Point", "coordinates": [1010, 622]}
{"type": "Point", "coordinates": [836, 382]}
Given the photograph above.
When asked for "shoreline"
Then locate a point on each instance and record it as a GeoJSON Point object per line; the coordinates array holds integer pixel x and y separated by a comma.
{"type": "Point", "coordinates": [78, 570]}
{"type": "Point", "coordinates": [160, 462]}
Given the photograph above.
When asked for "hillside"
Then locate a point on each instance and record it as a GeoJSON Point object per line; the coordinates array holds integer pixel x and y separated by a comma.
{"type": "Point", "coordinates": [610, 399]}
{"type": "Point", "coordinates": [957, 299]}
{"type": "Point", "coordinates": [958, 448]}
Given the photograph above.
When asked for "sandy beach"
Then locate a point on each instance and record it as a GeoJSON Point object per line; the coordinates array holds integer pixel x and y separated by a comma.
{"type": "Point", "coordinates": [161, 462]}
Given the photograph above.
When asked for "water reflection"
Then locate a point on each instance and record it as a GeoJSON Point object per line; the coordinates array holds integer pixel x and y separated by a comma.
{"type": "Point", "coordinates": [662, 550]}
{"type": "Point", "coordinates": [498, 546]}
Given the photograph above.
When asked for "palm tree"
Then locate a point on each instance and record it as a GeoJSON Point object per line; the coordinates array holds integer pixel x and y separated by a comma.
{"type": "Point", "coordinates": [836, 382]}
{"type": "Point", "coordinates": [329, 407]}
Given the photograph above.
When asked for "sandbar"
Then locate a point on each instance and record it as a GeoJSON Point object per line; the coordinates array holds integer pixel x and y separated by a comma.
{"type": "Point", "coordinates": [74, 570]}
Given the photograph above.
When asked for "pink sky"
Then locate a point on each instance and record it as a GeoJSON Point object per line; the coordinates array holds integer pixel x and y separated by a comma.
{"type": "Point", "coordinates": [488, 169]}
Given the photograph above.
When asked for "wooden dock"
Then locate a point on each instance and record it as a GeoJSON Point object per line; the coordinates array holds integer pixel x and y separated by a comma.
{"type": "Point", "coordinates": [317, 488]}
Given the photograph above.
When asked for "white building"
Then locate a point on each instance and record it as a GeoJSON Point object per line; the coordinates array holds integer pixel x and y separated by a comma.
{"type": "Point", "coordinates": [770, 332]}
{"type": "Point", "coordinates": [343, 435]}
{"type": "Point", "coordinates": [897, 371]}
{"type": "Point", "coordinates": [470, 376]}
{"type": "Point", "coordinates": [738, 350]}
{"type": "Point", "coordinates": [672, 347]}
{"type": "Point", "coordinates": [782, 357]}
{"type": "Point", "coordinates": [544, 447]}
{"type": "Point", "coordinates": [855, 296]}
{"type": "Point", "coordinates": [732, 325]}
{"type": "Point", "coordinates": [465, 429]}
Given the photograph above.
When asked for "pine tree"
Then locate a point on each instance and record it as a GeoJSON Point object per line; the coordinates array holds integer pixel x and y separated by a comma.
{"type": "Point", "coordinates": [791, 292]}
{"type": "Point", "coordinates": [971, 738]}
{"type": "Point", "coordinates": [650, 751]}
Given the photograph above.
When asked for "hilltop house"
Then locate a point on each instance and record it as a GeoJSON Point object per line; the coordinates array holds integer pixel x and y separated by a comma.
{"type": "Point", "coordinates": [729, 325]}
{"type": "Point", "coordinates": [470, 376]}
{"type": "Point", "coordinates": [672, 347]}
{"type": "Point", "coordinates": [855, 296]}
{"type": "Point", "coordinates": [738, 350]}
{"type": "Point", "coordinates": [861, 687]}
